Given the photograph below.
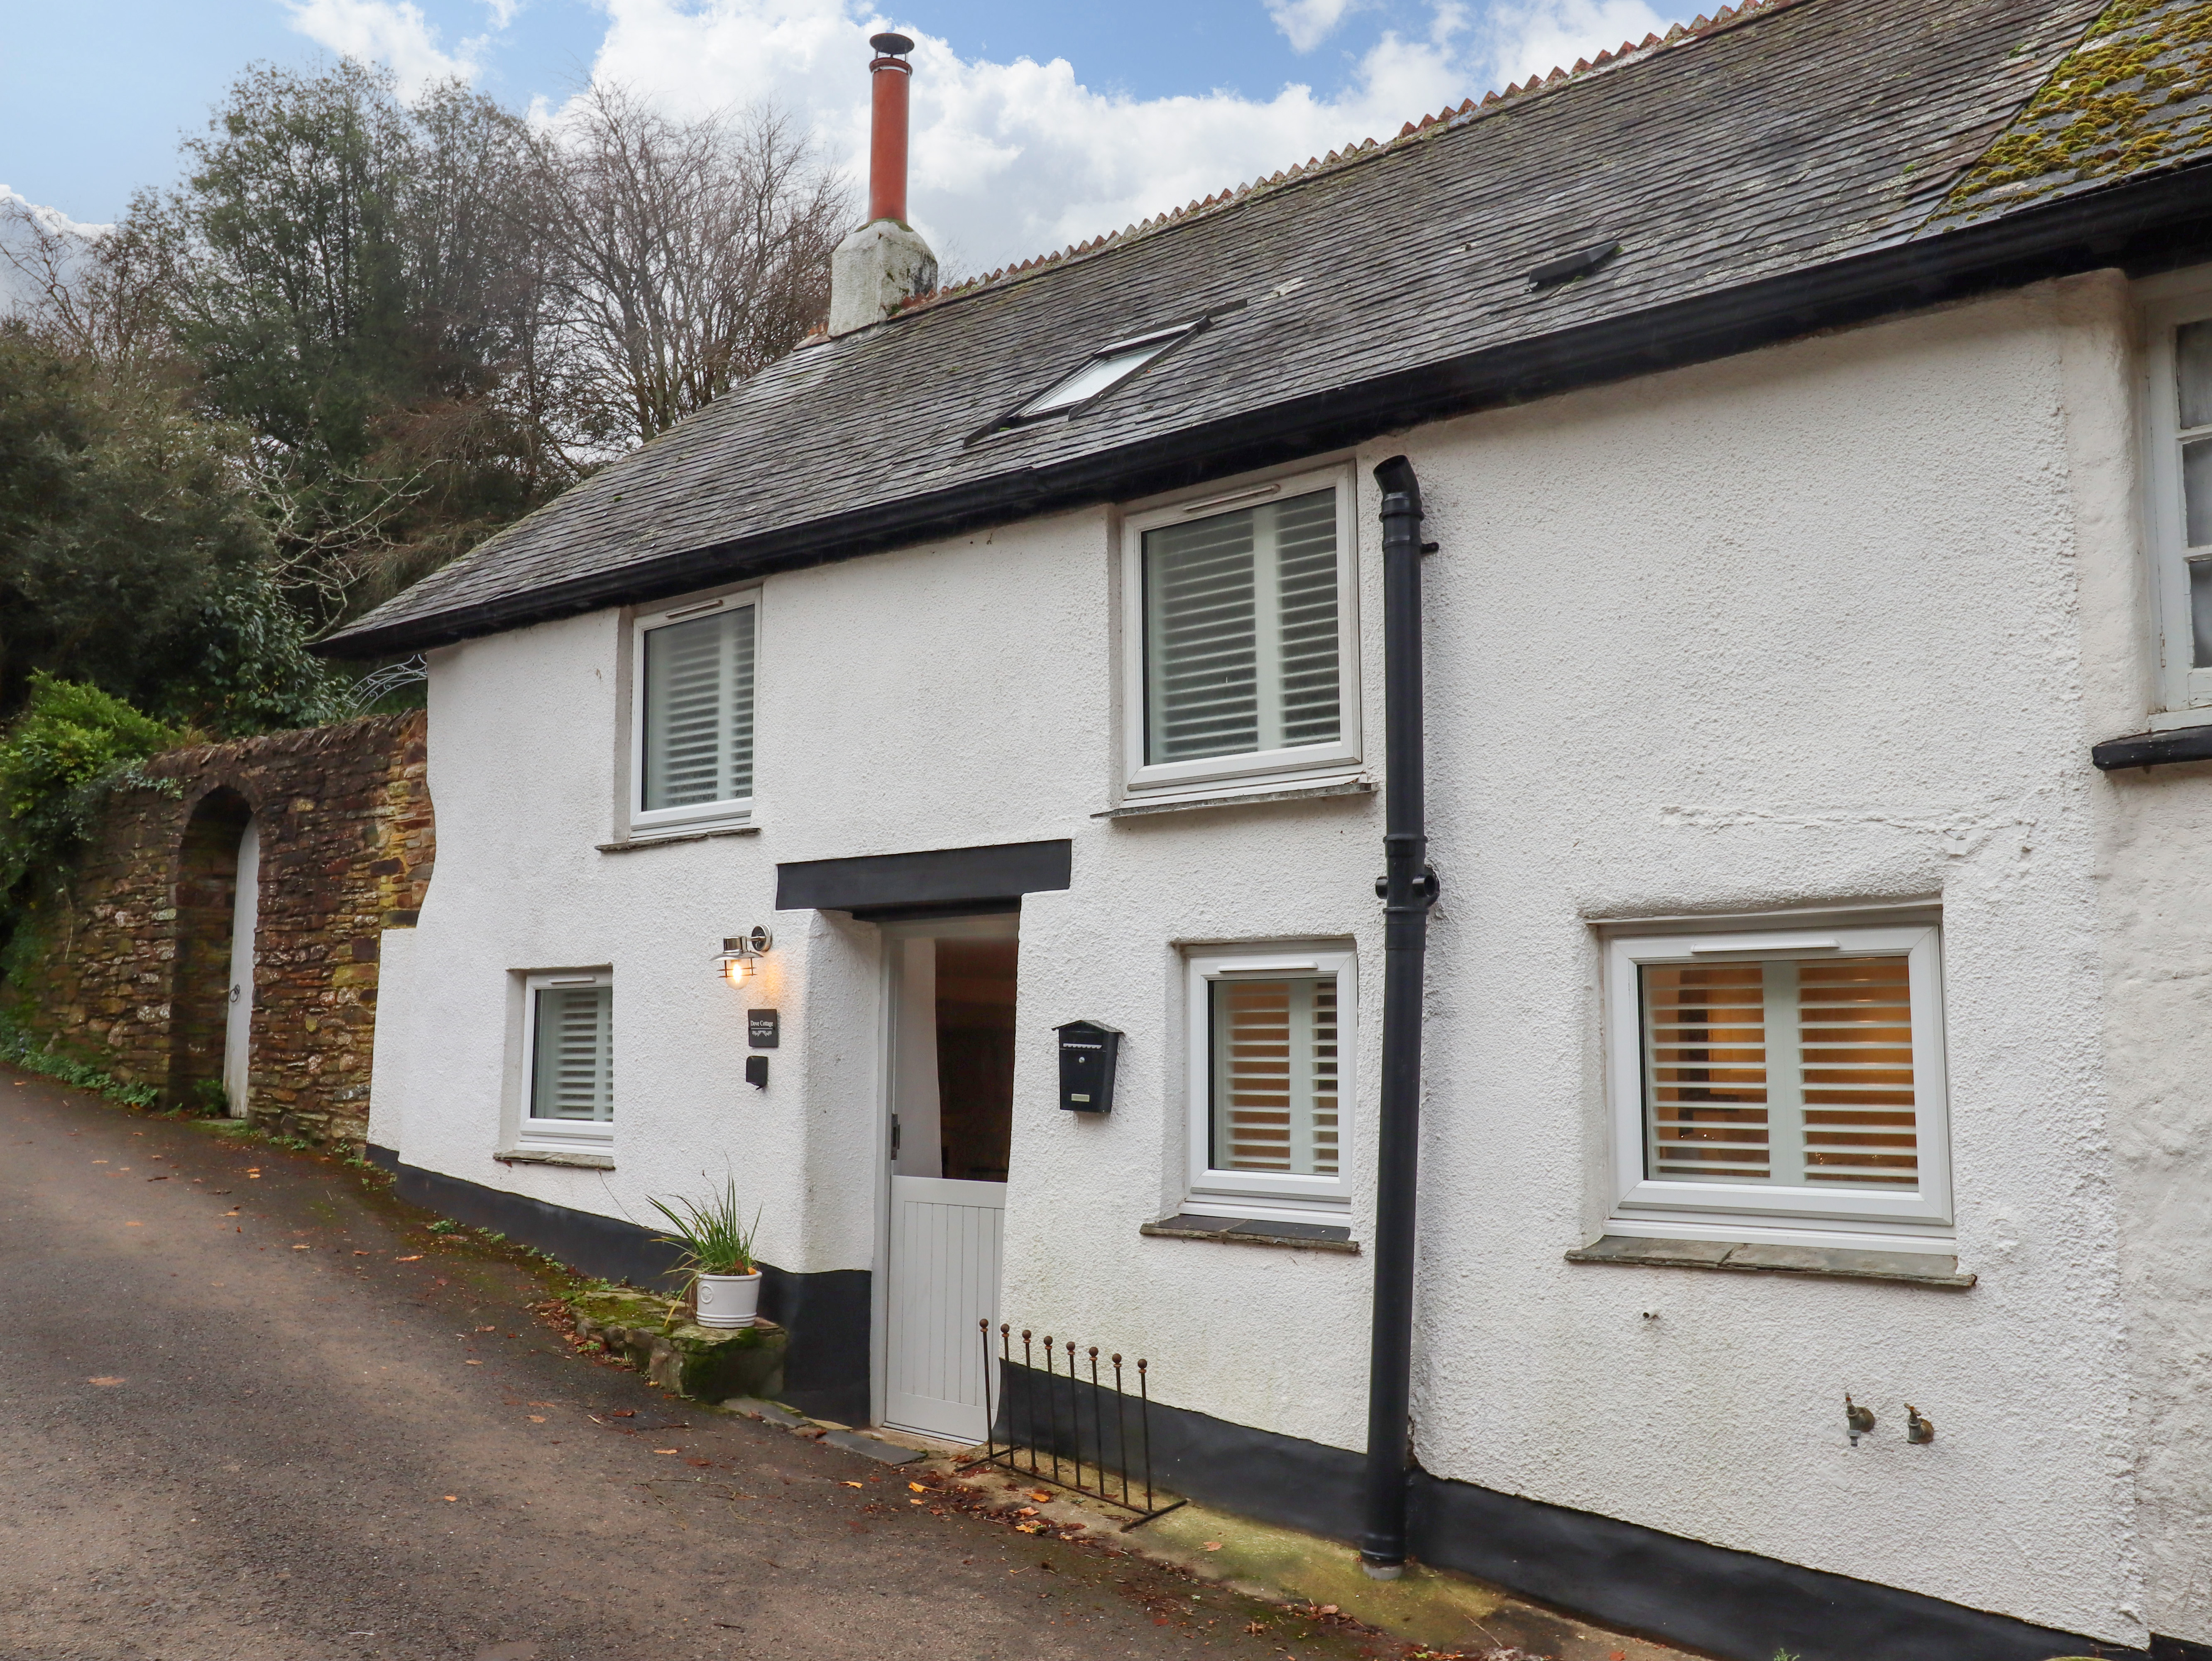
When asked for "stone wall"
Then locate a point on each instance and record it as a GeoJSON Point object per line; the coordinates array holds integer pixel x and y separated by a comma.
{"type": "Point", "coordinates": [128, 968]}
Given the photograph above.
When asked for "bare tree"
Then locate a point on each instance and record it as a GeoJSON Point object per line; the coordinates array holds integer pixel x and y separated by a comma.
{"type": "Point", "coordinates": [102, 293]}
{"type": "Point", "coordinates": [689, 253]}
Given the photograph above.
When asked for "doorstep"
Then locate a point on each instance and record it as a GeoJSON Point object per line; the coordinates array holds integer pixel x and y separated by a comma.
{"type": "Point", "coordinates": [701, 1363]}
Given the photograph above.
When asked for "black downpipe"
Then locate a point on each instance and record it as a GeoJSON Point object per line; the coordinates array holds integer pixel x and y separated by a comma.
{"type": "Point", "coordinates": [1409, 889]}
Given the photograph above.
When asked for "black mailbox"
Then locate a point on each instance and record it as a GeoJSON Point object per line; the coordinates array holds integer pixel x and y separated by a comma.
{"type": "Point", "coordinates": [1086, 1065]}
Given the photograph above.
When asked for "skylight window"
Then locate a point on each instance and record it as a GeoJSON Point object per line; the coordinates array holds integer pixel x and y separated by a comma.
{"type": "Point", "coordinates": [1105, 371]}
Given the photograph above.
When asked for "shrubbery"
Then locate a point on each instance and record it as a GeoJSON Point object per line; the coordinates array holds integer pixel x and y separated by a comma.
{"type": "Point", "coordinates": [72, 746]}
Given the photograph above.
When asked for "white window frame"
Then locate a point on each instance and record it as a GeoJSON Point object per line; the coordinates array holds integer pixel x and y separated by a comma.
{"type": "Point", "coordinates": [1296, 765]}
{"type": "Point", "coordinates": [2183, 690]}
{"type": "Point", "coordinates": [737, 810]}
{"type": "Point", "coordinates": [1761, 1210]}
{"type": "Point", "coordinates": [556, 1135]}
{"type": "Point", "coordinates": [1254, 1193]}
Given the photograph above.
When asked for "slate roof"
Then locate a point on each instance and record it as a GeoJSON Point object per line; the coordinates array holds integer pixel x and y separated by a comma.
{"type": "Point", "coordinates": [1771, 144]}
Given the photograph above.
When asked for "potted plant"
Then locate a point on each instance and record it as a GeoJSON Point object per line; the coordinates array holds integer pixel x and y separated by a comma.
{"type": "Point", "coordinates": [723, 1276]}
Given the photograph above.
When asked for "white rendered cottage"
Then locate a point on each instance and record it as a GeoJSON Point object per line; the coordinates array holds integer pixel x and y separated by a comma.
{"type": "Point", "coordinates": [1806, 411]}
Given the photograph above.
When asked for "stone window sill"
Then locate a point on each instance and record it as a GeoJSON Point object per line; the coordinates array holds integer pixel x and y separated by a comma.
{"type": "Point", "coordinates": [630, 845]}
{"type": "Point", "coordinates": [1298, 1237]}
{"type": "Point", "coordinates": [555, 1156]}
{"type": "Point", "coordinates": [1917, 1268]}
{"type": "Point", "coordinates": [1139, 807]}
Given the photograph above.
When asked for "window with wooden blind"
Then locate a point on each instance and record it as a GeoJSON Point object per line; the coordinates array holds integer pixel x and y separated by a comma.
{"type": "Point", "coordinates": [1270, 1080]}
{"type": "Point", "coordinates": [1241, 636]}
{"type": "Point", "coordinates": [1783, 1072]}
{"type": "Point", "coordinates": [568, 1058]}
{"type": "Point", "coordinates": [692, 725]}
{"type": "Point", "coordinates": [2179, 427]}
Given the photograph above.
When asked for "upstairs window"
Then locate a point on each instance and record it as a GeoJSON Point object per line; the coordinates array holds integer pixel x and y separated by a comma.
{"type": "Point", "coordinates": [1243, 638]}
{"type": "Point", "coordinates": [694, 714]}
{"type": "Point", "coordinates": [1781, 1074]}
{"type": "Point", "coordinates": [567, 1060]}
{"type": "Point", "coordinates": [2179, 422]}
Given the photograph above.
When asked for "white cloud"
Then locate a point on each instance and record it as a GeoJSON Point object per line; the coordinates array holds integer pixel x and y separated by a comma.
{"type": "Point", "coordinates": [16, 290]}
{"type": "Point", "coordinates": [1306, 23]}
{"type": "Point", "coordinates": [1016, 159]}
{"type": "Point", "coordinates": [1533, 37]}
{"type": "Point", "coordinates": [393, 32]}
{"type": "Point", "coordinates": [1013, 159]}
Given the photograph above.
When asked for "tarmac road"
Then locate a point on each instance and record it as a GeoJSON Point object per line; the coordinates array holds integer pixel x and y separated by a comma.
{"type": "Point", "coordinates": [238, 1423]}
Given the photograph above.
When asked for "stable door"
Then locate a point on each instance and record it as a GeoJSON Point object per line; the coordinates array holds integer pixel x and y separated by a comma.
{"type": "Point", "coordinates": [952, 1122]}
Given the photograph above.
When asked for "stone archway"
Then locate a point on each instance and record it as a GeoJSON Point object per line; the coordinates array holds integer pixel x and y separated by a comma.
{"type": "Point", "coordinates": [206, 902]}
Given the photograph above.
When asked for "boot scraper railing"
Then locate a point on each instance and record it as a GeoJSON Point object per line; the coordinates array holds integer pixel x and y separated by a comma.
{"type": "Point", "coordinates": [1118, 1437]}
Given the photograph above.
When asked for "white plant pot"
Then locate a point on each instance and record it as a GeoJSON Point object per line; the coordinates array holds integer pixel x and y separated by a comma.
{"type": "Point", "coordinates": [729, 1300]}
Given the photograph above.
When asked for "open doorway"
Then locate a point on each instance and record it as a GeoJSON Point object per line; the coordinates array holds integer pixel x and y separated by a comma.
{"type": "Point", "coordinates": [211, 1001]}
{"type": "Point", "coordinates": [952, 1001]}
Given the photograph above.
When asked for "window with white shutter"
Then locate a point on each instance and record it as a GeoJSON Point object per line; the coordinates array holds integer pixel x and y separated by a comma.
{"type": "Point", "coordinates": [1786, 1073]}
{"type": "Point", "coordinates": [1241, 637]}
{"type": "Point", "coordinates": [693, 726]}
{"type": "Point", "coordinates": [1270, 1077]}
{"type": "Point", "coordinates": [2178, 425]}
{"type": "Point", "coordinates": [568, 1058]}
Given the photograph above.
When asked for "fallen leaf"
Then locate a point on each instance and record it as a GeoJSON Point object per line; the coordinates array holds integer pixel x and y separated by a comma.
{"type": "Point", "coordinates": [852, 1485]}
{"type": "Point", "coordinates": [416, 1258]}
{"type": "Point", "coordinates": [913, 1502]}
{"type": "Point", "coordinates": [1026, 1511]}
{"type": "Point", "coordinates": [621, 1413]}
{"type": "Point", "coordinates": [361, 1254]}
{"type": "Point", "coordinates": [656, 1450]}
{"type": "Point", "coordinates": [453, 1496]}
{"type": "Point", "coordinates": [478, 1364]}
{"type": "Point", "coordinates": [300, 1248]}
{"type": "Point", "coordinates": [134, 1224]}
{"type": "Point", "coordinates": [1329, 1609]}
{"type": "Point", "coordinates": [537, 1418]}
{"type": "Point", "coordinates": [1029, 1528]}
{"type": "Point", "coordinates": [917, 1487]}
{"type": "Point", "coordinates": [703, 1464]}
{"type": "Point", "coordinates": [1040, 1495]}
{"type": "Point", "coordinates": [103, 1381]}
{"type": "Point", "coordinates": [1214, 1545]}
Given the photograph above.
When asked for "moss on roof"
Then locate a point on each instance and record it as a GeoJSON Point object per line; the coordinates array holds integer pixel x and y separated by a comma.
{"type": "Point", "coordinates": [2134, 96]}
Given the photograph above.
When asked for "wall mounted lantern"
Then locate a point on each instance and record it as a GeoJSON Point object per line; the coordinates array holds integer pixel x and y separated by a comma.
{"type": "Point", "coordinates": [740, 952]}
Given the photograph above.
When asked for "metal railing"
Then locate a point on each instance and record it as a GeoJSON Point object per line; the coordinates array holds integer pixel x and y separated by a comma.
{"type": "Point", "coordinates": [1120, 1471]}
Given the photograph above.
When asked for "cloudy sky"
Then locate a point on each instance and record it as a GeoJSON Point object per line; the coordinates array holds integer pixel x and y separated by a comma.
{"type": "Point", "coordinates": [1037, 123]}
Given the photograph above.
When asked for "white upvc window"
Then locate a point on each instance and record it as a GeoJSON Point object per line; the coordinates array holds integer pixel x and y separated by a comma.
{"type": "Point", "coordinates": [1272, 1036]}
{"type": "Point", "coordinates": [1779, 1080]}
{"type": "Point", "coordinates": [691, 713]}
{"type": "Point", "coordinates": [1240, 634]}
{"type": "Point", "coordinates": [2178, 427]}
{"type": "Point", "coordinates": [567, 1060]}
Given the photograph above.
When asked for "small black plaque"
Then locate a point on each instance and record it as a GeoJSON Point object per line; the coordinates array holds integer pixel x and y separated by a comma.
{"type": "Point", "coordinates": [763, 1029]}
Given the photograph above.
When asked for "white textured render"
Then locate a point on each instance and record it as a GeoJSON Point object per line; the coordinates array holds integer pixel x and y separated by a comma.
{"type": "Point", "coordinates": [875, 271]}
{"type": "Point", "coordinates": [1830, 625]}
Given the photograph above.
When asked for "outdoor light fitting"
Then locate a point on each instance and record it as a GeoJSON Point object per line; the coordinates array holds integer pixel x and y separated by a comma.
{"type": "Point", "coordinates": [740, 952]}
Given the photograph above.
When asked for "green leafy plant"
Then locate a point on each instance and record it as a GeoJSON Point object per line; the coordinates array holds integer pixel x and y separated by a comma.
{"type": "Point", "coordinates": [209, 1098]}
{"type": "Point", "coordinates": [72, 744]}
{"type": "Point", "coordinates": [713, 1237]}
{"type": "Point", "coordinates": [443, 1225]}
{"type": "Point", "coordinates": [25, 1052]}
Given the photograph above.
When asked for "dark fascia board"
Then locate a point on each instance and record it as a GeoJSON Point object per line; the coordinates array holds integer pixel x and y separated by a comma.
{"type": "Point", "coordinates": [2151, 224]}
{"type": "Point", "coordinates": [2153, 749]}
{"type": "Point", "coordinates": [940, 877]}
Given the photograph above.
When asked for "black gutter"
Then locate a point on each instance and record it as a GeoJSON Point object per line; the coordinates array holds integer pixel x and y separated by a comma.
{"type": "Point", "coordinates": [1409, 889]}
{"type": "Point", "coordinates": [2153, 749]}
{"type": "Point", "coordinates": [2149, 225]}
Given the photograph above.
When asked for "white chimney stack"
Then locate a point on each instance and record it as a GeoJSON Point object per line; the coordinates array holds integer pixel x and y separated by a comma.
{"type": "Point", "coordinates": [884, 264]}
